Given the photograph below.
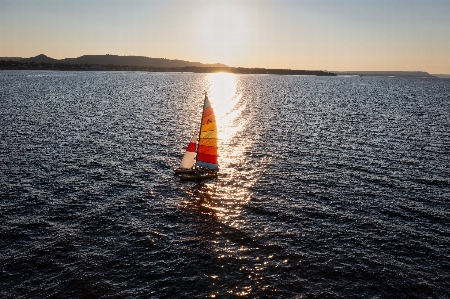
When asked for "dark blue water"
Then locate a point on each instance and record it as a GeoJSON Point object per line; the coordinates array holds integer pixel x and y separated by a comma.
{"type": "Point", "coordinates": [332, 187]}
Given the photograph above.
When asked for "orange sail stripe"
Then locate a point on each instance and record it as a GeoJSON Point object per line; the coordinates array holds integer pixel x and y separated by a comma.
{"type": "Point", "coordinates": [208, 119]}
{"type": "Point", "coordinates": [208, 111]}
{"type": "Point", "coordinates": [209, 127]}
{"type": "Point", "coordinates": [210, 150]}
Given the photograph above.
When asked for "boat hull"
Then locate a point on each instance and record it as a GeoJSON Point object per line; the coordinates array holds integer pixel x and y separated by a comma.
{"type": "Point", "coordinates": [183, 171]}
{"type": "Point", "coordinates": [198, 177]}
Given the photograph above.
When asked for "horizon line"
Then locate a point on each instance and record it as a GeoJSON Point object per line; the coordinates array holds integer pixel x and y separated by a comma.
{"type": "Point", "coordinates": [225, 65]}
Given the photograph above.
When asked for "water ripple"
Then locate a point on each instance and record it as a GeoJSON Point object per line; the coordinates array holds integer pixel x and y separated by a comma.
{"type": "Point", "coordinates": [331, 187]}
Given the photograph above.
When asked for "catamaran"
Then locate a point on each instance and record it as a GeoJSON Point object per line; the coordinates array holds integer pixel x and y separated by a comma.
{"type": "Point", "coordinates": [200, 159]}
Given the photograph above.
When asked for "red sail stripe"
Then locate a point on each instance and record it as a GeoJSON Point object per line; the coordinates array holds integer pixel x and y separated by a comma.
{"type": "Point", "coordinates": [191, 147]}
{"type": "Point", "coordinates": [207, 158]}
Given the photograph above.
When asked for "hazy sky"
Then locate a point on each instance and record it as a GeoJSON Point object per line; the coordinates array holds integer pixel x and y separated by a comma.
{"type": "Point", "coordinates": [408, 35]}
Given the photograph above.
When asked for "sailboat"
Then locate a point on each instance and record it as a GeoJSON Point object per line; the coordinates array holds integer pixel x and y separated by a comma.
{"type": "Point", "coordinates": [200, 159]}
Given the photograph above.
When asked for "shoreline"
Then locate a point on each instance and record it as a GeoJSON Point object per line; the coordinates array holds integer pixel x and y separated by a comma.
{"type": "Point", "coordinates": [16, 65]}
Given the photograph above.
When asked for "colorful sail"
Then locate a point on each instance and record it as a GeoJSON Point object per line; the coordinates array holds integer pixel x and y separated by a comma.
{"type": "Point", "coordinates": [207, 142]}
{"type": "Point", "coordinates": [188, 160]}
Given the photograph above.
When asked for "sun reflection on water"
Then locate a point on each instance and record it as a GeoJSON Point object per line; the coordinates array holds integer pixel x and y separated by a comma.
{"type": "Point", "coordinates": [225, 95]}
{"type": "Point", "coordinates": [223, 201]}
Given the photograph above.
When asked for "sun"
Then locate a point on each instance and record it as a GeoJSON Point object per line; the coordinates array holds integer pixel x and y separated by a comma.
{"type": "Point", "coordinates": [224, 30]}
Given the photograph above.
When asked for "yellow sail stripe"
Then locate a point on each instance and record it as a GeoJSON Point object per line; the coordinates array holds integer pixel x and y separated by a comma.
{"type": "Point", "coordinates": [208, 134]}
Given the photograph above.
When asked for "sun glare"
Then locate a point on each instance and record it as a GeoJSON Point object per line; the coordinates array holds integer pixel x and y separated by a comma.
{"type": "Point", "coordinates": [224, 96]}
{"type": "Point", "coordinates": [224, 30]}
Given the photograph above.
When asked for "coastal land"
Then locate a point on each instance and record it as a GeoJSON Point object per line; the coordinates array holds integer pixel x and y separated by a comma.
{"type": "Point", "coordinates": [149, 64]}
{"type": "Point", "coordinates": [386, 73]}
{"type": "Point", "coordinates": [137, 63]}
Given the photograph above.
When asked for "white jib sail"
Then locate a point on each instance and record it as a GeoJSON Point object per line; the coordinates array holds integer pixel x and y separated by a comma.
{"type": "Point", "coordinates": [188, 160]}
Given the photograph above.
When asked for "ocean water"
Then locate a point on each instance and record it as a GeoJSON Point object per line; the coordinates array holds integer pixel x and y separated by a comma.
{"type": "Point", "coordinates": [331, 187]}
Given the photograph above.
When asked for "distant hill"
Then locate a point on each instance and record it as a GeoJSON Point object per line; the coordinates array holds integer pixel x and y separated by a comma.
{"type": "Point", "coordinates": [138, 63]}
{"type": "Point", "coordinates": [40, 58]}
{"type": "Point", "coordinates": [385, 73]}
{"type": "Point", "coordinates": [116, 60]}
{"type": "Point", "coordinates": [136, 60]}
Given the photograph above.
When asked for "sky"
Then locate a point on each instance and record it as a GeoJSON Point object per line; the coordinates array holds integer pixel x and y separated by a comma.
{"type": "Point", "coordinates": [334, 35]}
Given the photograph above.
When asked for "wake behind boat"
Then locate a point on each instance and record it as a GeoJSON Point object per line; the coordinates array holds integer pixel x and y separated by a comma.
{"type": "Point", "coordinates": [200, 159]}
